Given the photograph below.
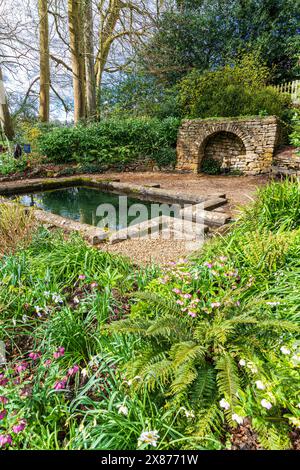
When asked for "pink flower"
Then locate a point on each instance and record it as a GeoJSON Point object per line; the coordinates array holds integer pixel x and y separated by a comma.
{"type": "Point", "coordinates": [179, 302]}
{"type": "Point", "coordinates": [5, 439]}
{"type": "Point", "coordinates": [47, 363]}
{"type": "Point", "coordinates": [19, 427]}
{"type": "Point", "coordinates": [187, 296]}
{"type": "Point", "coordinates": [208, 265]}
{"type": "Point", "coordinates": [215, 304]}
{"type": "Point", "coordinates": [3, 413]}
{"type": "Point", "coordinates": [73, 370]}
{"type": "Point", "coordinates": [176, 291]}
{"type": "Point", "coordinates": [3, 380]}
{"type": "Point", "coordinates": [34, 355]}
{"type": "Point", "coordinates": [59, 353]}
{"type": "Point", "coordinates": [94, 284]}
{"type": "Point", "coordinates": [21, 367]}
{"type": "Point", "coordinates": [81, 277]}
{"type": "Point", "coordinates": [3, 400]}
{"type": "Point", "coordinates": [61, 384]}
{"type": "Point", "coordinates": [192, 314]}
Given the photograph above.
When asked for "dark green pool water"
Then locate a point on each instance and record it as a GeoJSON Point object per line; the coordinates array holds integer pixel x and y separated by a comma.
{"type": "Point", "coordinates": [81, 204]}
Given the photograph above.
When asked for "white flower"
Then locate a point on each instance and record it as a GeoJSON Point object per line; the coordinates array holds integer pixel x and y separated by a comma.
{"type": "Point", "coordinates": [76, 300]}
{"type": "Point", "coordinates": [237, 418]}
{"type": "Point", "coordinates": [266, 404]}
{"type": "Point", "coordinates": [57, 299]}
{"type": "Point", "coordinates": [295, 422]}
{"type": "Point", "coordinates": [84, 372]}
{"type": "Point", "coordinates": [285, 350]}
{"type": "Point", "coordinates": [123, 410]}
{"type": "Point", "coordinates": [224, 404]}
{"type": "Point", "coordinates": [260, 385]}
{"type": "Point", "coordinates": [188, 414]}
{"type": "Point", "coordinates": [242, 362]}
{"type": "Point", "coordinates": [296, 360]}
{"type": "Point", "coordinates": [252, 367]}
{"type": "Point", "coordinates": [149, 437]}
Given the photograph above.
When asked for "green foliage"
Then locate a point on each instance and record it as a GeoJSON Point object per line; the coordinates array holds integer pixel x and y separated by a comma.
{"type": "Point", "coordinates": [113, 142]}
{"type": "Point", "coordinates": [276, 207]}
{"type": "Point", "coordinates": [209, 341]}
{"type": "Point", "coordinates": [211, 166]}
{"type": "Point", "coordinates": [295, 136]}
{"type": "Point", "coordinates": [207, 34]}
{"type": "Point", "coordinates": [226, 326]}
{"type": "Point", "coordinates": [232, 91]}
{"type": "Point", "coordinates": [9, 164]}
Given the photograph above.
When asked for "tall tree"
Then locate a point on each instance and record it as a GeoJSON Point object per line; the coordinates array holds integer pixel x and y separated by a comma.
{"type": "Point", "coordinates": [205, 34]}
{"type": "Point", "coordinates": [5, 119]}
{"type": "Point", "coordinates": [75, 15]}
{"type": "Point", "coordinates": [44, 108]}
{"type": "Point", "coordinates": [90, 78]}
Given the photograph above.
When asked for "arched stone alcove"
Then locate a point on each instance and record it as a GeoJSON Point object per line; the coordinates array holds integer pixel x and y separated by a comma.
{"type": "Point", "coordinates": [224, 147]}
{"type": "Point", "coordinates": [240, 144]}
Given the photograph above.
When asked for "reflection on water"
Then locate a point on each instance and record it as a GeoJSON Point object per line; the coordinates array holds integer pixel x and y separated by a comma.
{"type": "Point", "coordinates": [81, 204]}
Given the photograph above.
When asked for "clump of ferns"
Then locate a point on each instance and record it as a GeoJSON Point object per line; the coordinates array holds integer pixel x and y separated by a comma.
{"type": "Point", "coordinates": [197, 362]}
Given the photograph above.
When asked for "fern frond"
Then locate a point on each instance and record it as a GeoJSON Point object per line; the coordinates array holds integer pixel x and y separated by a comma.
{"type": "Point", "coordinates": [167, 326]}
{"type": "Point", "coordinates": [204, 388]}
{"type": "Point", "coordinates": [164, 304]}
{"type": "Point", "coordinates": [227, 377]}
{"type": "Point", "coordinates": [185, 352]}
{"type": "Point", "coordinates": [270, 436]}
{"type": "Point", "coordinates": [185, 376]}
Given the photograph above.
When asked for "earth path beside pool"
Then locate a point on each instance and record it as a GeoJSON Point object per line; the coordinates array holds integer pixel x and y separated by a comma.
{"type": "Point", "coordinates": [239, 190]}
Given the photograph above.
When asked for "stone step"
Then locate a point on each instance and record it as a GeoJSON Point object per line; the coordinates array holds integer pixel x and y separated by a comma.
{"type": "Point", "coordinates": [140, 230]}
{"type": "Point", "coordinates": [208, 217]}
{"type": "Point", "coordinates": [213, 203]}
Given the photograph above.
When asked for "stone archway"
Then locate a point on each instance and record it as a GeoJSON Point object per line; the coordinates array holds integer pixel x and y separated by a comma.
{"type": "Point", "coordinates": [223, 147]}
{"type": "Point", "coordinates": [245, 144]}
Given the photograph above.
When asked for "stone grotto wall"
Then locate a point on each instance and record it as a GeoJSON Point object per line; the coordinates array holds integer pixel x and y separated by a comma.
{"type": "Point", "coordinates": [246, 145]}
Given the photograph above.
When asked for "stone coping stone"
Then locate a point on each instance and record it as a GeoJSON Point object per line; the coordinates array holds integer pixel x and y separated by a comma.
{"type": "Point", "coordinates": [93, 234]}
{"type": "Point", "coordinates": [183, 229]}
{"type": "Point", "coordinates": [140, 191]}
{"type": "Point", "coordinates": [198, 213]}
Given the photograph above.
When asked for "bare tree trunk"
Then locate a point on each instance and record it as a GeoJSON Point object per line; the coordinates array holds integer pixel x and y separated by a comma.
{"type": "Point", "coordinates": [77, 53]}
{"type": "Point", "coordinates": [44, 111]}
{"type": "Point", "coordinates": [5, 119]}
{"type": "Point", "coordinates": [89, 61]}
{"type": "Point", "coordinates": [108, 21]}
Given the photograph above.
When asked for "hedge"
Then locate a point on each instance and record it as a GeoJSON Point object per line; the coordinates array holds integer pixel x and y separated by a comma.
{"type": "Point", "coordinates": [113, 142]}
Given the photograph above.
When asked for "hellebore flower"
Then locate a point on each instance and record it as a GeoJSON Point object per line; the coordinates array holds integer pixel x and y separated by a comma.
{"type": "Point", "coordinates": [59, 353]}
{"type": "Point", "coordinates": [19, 427]}
{"type": "Point", "coordinates": [21, 367]}
{"type": "Point", "coordinates": [34, 355]}
{"type": "Point", "coordinates": [73, 370]}
{"type": "Point", "coordinates": [5, 439]}
{"type": "Point", "coordinates": [61, 384]}
{"type": "Point", "coordinates": [3, 380]}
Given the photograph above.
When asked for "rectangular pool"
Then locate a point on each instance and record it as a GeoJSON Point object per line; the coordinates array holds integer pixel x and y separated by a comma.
{"type": "Point", "coordinates": [85, 205]}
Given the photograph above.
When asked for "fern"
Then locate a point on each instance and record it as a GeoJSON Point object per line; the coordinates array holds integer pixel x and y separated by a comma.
{"type": "Point", "coordinates": [227, 378]}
